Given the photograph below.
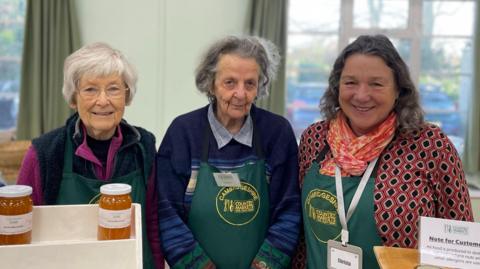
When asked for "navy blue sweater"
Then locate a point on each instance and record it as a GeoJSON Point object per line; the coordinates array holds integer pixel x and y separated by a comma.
{"type": "Point", "coordinates": [179, 155]}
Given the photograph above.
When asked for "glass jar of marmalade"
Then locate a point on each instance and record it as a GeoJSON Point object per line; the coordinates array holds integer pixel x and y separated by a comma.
{"type": "Point", "coordinates": [15, 215]}
{"type": "Point", "coordinates": [114, 213]}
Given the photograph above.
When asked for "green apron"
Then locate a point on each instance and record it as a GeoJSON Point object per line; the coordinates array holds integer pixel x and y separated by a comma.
{"type": "Point", "coordinates": [230, 223]}
{"type": "Point", "coordinates": [77, 189]}
{"type": "Point", "coordinates": [321, 221]}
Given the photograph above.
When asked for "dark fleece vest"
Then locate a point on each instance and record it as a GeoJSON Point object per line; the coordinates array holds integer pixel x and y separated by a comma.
{"type": "Point", "coordinates": [50, 149]}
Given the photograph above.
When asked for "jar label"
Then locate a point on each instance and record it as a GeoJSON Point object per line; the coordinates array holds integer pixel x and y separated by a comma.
{"type": "Point", "coordinates": [114, 219]}
{"type": "Point", "coordinates": [17, 224]}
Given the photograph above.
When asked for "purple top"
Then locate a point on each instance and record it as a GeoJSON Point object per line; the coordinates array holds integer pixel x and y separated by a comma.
{"type": "Point", "coordinates": [30, 175]}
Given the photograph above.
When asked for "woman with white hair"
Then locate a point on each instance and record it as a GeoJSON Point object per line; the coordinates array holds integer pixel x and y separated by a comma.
{"type": "Point", "coordinates": [96, 146]}
{"type": "Point", "coordinates": [227, 172]}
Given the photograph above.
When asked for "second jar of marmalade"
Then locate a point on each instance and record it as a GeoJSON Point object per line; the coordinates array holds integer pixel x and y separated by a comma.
{"type": "Point", "coordinates": [114, 215]}
{"type": "Point", "coordinates": [15, 215]}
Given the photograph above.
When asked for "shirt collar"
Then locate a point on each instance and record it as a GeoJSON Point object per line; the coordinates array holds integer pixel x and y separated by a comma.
{"type": "Point", "coordinates": [223, 136]}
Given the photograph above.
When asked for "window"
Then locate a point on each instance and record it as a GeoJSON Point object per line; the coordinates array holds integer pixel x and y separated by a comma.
{"type": "Point", "coordinates": [434, 37]}
{"type": "Point", "coordinates": [11, 43]}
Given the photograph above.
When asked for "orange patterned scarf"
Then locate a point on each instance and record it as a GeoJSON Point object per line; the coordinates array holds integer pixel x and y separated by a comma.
{"type": "Point", "coordinates": [352, 153]}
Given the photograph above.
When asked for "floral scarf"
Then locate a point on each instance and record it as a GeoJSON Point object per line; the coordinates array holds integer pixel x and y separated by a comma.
{"type": "Point", "coordinates": [352, 153]}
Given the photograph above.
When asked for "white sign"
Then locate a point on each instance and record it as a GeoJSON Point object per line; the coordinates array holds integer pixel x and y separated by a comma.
{"type": "Point", "coordinates": [449, 243]}
{"type": "Point", "coordinates": [227, 179]}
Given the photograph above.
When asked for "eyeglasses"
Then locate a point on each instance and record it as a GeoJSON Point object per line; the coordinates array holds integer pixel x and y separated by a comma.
{"type": "Point", "coordinates": [112, 92]}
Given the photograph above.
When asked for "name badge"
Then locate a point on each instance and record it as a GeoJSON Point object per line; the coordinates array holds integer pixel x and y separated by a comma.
{"type": "Point", "coordinates": [227, 179]}
{"type": "Point", "coordinates": [343, 257]}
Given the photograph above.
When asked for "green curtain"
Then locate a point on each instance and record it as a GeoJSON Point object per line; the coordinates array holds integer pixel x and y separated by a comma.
{"type": "Point", "coordinates": [268, 19]}
{"type": "Point", "coordinates": [51, 34]}
{"type": "Point", "coordinates": [471, 158]}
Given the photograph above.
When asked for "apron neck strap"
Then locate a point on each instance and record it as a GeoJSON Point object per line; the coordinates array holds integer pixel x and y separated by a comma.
{"type": "Point", "coordinates": [257, 143]}
{"type": "Point", "coordinates": [207, 131]}
{"type": "Point", "coordinates": [68, 154]}
{"type": "Point", "coordinates": [321, 155]}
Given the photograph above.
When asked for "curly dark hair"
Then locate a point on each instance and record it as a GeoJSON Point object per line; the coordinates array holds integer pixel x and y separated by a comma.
{"type": "Point", "coordinates": [407, 106]}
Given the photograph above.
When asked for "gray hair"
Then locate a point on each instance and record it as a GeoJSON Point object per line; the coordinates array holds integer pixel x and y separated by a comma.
{"type": "Point", "coordinates": [97, 59]}
{"type": "Point", "coordinates": [263, 51]}
{"type": "Point", "coordinates": [407, 106]}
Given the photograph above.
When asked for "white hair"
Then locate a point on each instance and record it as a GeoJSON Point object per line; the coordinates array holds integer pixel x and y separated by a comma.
{"type": "Point", "coordinates": [97, 59]}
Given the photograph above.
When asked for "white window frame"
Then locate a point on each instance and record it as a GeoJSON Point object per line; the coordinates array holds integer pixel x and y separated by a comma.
{"type": "Point", "coordinates": [413, 32]}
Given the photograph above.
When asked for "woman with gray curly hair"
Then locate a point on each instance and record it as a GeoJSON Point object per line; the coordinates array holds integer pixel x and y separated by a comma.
{"type": "Point", "coordinates": [373, 167]}
{"type": "Point", "coordinates": [227, 172]}
{"type": "Point", "coordinates": [96, 146]}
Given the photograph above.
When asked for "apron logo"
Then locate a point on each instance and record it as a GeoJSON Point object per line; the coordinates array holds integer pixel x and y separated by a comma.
{"type": "Point", "coordinates": [238, 205]}
{"type": "Point", "coordinates": [321, 214]}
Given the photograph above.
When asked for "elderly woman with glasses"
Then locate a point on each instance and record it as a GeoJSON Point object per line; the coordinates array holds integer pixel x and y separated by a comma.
{"type": "Point", "coordinates": [96, 146]}
{"type": "Point", "coordinates": [227, 172]}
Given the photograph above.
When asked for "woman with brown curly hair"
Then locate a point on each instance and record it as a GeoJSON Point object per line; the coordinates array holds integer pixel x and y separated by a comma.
{"type": "Point", "coordinates": [373, 166]}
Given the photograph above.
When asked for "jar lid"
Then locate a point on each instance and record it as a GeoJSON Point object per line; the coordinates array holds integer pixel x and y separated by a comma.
{"type": "Point", "coordinates": [115, 189]}
{"type": "Point", "coordinates": [15, 191]}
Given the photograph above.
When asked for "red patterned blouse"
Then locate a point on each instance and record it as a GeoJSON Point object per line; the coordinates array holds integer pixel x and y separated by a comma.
{"type": "Point", "coordinates": [418, 175]}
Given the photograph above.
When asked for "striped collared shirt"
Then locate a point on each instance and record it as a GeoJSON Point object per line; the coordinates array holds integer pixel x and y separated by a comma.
{"type": "Point", "coordinates": [223, 136]}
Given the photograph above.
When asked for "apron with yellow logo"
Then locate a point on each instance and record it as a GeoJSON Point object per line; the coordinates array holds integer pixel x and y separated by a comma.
{"type": "Point", "coordinates": [230, 223]}
{"type": "Point", "coordinates": [321, 221]}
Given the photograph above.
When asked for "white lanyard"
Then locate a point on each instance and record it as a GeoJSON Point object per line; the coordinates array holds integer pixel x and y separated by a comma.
{"type": "Point", "coordinates": [355, 199]}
